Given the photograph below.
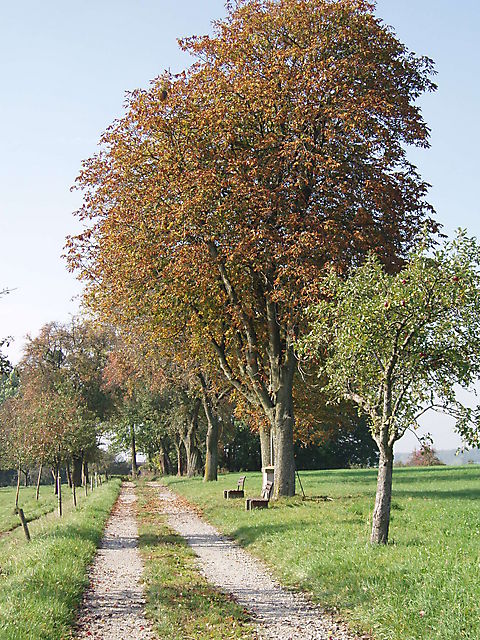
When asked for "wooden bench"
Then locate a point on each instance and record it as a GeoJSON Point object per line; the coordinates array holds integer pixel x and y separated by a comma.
{"type": "Point", "coordinates": [239, 492]}
{"type": "Point", "coordinates": [262, 501]}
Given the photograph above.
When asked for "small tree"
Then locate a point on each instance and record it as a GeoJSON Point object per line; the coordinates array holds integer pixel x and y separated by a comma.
{"type": "Point", "coordinates": [424, 457]}
{"type": "Point", "coordinates": [397, 346]}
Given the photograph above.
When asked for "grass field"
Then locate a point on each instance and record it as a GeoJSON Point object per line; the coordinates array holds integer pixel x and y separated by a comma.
{"type": "Point", "coordinates": [32, 508]}
{"type": "Point", "coordinates": [180, 602]}
{"type": "Point", "coordinates": [41, 583]}
{"type": "Point", "coordinates": [425, 585]}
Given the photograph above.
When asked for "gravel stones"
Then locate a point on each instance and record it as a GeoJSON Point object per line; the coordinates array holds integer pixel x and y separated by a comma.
{"type": "Point", "coordinates": [113, 606]}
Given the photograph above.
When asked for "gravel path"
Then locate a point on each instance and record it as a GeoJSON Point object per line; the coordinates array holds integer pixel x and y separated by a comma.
{"type": "Point", "coordinates": [114, 602]}
{"type": "Point", "coordinates": [280, 614]}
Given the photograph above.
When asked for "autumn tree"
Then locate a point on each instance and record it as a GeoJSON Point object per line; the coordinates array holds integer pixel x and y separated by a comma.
{"type": "Point", "coordinates": [219, 199]}
{"type": "Point", "coordinates": [398, 345]}
{"type": "Point", "coordinates": [17, 448]}
{"type": "Point", "coordinates": [426, 456]}
{"type": "Point", "coordinates": [67, 361]}
{"type": "Point", "coordinates": [158, 396]}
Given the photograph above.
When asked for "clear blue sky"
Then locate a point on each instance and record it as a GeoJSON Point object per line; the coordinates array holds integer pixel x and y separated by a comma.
{"type": "Point", "coordinates": [64, 70]}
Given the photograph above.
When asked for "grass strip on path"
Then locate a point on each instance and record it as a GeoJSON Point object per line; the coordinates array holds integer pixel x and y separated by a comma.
{"type": "Point", "coordinates": [425, 585]}
{"type": "Point", "coordinates": [42, 583]}
{"type": "Point", "coordinates": [180, 601]}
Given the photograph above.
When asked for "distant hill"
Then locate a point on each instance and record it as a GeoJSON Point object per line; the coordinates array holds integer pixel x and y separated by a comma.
{"type": "Point", "coordinates": [448, 456]}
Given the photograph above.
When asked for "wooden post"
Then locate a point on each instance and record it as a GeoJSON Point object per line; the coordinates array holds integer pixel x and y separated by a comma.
{"type": "Point", "coordinates": [69, 475]}
{"type": "Point", "coordinates": [59, 490]}
{"type": "Point", "coordinates": [24, 523]}
{"type": "Point", "coordinates": [18, 488]}
{"type": "Point", "coordinates": [37, 492]}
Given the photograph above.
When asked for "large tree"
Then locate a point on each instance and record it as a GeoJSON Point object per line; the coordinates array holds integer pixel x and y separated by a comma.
{"type": "Point", "coordinates": [399, 345]}
{"type": "Point", "coordinates": [218, 200]}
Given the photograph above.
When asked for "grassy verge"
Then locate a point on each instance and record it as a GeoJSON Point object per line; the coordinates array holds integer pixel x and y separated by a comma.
{"type": "Point", "coordinates": [41, 583]}
{"type": "Point", "coordinates": [425, 585]}
{"type": "Point", "coordinates": [180, 602]}
{"type": "Point", "coordinates": [32, 508]}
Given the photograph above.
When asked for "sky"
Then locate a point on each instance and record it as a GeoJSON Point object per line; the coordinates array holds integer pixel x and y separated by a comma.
{"type": "Point", "coordinates": [64, 69]}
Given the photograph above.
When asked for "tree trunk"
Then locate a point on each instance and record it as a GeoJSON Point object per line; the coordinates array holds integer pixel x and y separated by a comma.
{"type": "Point", "coordinates": [133, 450]}
{"type": "Point", "coordinates": [74, 494]}
{"type": "Point", "coordinates": [265, 446]}
{"type": "Point", "coordinates": [283, 423]}
{"type": "Point", "coordinates": [190, 441]}
{"type": "Point", "coordinates": [383, 498]}
{"type": "Point", "coordinates": [69, 476]}
{"type": "Point", "coordinates": [85, 472]}
{"type": "Point", "coordinates": [179, 459]}
{"type": "Point", "coordinates": [77, 471]}
{"type": "Point", "coordinates": [211, 455]}
{"type": "Point", "coordinates": [18, 488]}
{"type": "Point", "coordinates": [192, 453]}
{"type": "Point", "coordinates": [26, 475]}
{"type": "Point", "coordinates": [284, 478]}
{"type": "Point", "coordinates": [59, 490]}
{"type": "Point", "coordinates": [164, 459]}
{"type": "Point", "coordinates": [55, 481]}
{"type": "Point", "coordinates": [213, 430]}
{"type": "Point", "coordinates": [39, 477]}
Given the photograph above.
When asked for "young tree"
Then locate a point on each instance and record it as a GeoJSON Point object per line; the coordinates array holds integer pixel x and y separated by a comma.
{"type": "Point", "coordinates": [67, 361]}
{"type": "Point", "coordinates": [424, 457]}
{"type": "Point", "coordinates": [221, 196]}
{"type": "Point", "coordinates": [398, 345]}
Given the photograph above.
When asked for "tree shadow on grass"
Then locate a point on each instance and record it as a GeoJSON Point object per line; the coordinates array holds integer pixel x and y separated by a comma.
{"type": "Point", "coordinates": [160, 539]}
{"type": "Point", "coordinates": [438, 494]}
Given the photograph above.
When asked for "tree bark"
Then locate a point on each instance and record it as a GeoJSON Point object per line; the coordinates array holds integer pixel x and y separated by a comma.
{"type": "Point", "coordinates": [74, 494]}
{"type": "Point", "coordinates": [85, 472]}
{"type": "Point", "coordinates": [26, 477]}
{"type": "Point", "coordinates": [179, 459]}
{"type": "Point", "coordinates": [284, 478]}
{"type": "Point", "coordinates": [283, 422]}
{"type": "Point", "coordinates": [190, 441]}
{"type": "Point", "coordinates": [39, 477]}
{"type": "Point", "coordinates": [164, 459]}
{"type": "Point", "coordinates": [383, 498]}
{"type": "Point", "coordinates": [133, 450]}
{"type": "Point", "coordinates": [265, 446]}
{"type": "Point", "coordinates": [213, 430]}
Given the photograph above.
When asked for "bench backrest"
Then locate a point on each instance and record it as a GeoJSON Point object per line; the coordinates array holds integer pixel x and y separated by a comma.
{"type": "Point", "coordinates": [267, 491]}
{"type": "Point", "coordinates": [241, 483]}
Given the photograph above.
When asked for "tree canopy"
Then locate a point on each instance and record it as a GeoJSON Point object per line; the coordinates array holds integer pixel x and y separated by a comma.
{"type": "Point", "coordinates": [216, 203]}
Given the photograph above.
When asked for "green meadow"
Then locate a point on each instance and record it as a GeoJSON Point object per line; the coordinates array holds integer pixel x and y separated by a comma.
{"type": "Point", "coordinates": [32, 507]}
{"type": "Point", "coordinates": [425, 585]}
